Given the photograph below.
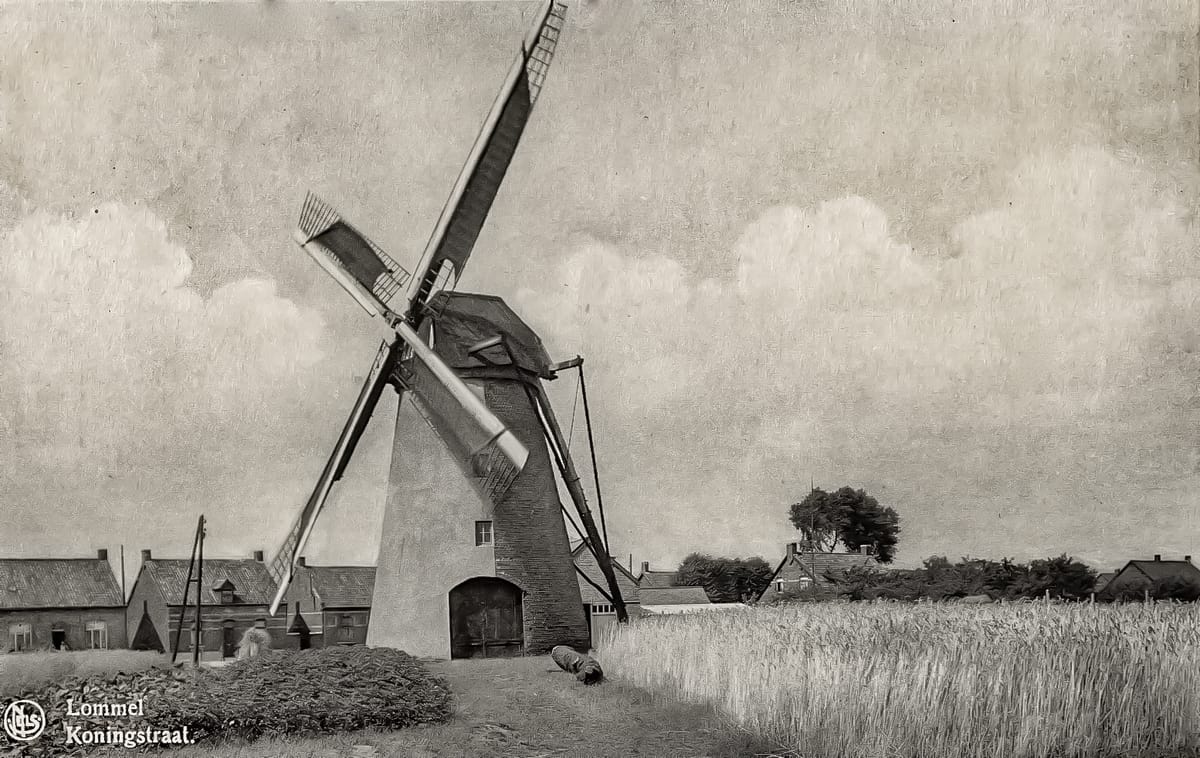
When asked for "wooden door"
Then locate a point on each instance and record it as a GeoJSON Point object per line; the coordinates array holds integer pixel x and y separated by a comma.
{"type": "Point", "coordinates": [228, 641]}
{"type": "Point", "coordinates": [486, 619]}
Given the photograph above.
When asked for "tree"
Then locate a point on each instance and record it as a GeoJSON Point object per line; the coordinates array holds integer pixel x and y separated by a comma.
{"type": "Point", "coordinates": [1063, 577]}
{"type": "Point", "coordinates": [725, 580]}
{"type": "Point", "coordinates": [849, 516]}
{"type": "Point", "coordinates": [818, 521]}
{"type": "Point", "coordinates": [1176, 588]}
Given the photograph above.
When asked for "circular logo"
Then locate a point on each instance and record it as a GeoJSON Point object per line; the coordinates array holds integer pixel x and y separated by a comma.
{"type": "Point", "coordinates": [24, 720]}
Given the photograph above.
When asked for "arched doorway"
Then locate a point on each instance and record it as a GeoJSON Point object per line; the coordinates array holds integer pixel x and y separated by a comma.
{"type": "Point", "coordinates": [486, 619]}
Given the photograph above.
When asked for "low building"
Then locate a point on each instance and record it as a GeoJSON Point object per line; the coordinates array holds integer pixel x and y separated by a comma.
{"type": "Point", "coordinates": [670, 600]}
{"type": "Point", "coordinates": [601, 614]}
{"type": "Point", "coordinates": [1140, 577]}
{"type": "Point", "coordinates": [804, 572]}
{"type": "Point", "coordinates": [652, 580]}
{"type": "Point", "coordinates": [60, 603]}
{"type": "Point", "coordinates": [236, 595]}
{"type": "Point", "coordinates": [329, 605]}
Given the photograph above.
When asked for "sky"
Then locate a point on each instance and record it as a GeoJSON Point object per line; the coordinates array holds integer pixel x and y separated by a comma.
{"type": "Point", "coordinates": [944, 252]}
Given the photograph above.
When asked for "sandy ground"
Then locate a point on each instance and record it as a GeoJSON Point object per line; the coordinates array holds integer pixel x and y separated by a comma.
{"type": "Point", "coordinates": [528, 708]}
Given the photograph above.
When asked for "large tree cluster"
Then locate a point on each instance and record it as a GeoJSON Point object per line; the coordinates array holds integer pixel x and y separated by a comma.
{"type": "Point", "coordinates": [847, 517]}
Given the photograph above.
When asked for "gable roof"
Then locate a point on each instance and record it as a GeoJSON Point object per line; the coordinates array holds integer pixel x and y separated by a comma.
{"type": "Point", "coordinates": [673, 596]}
{"type": "Point", "coordinates": [251, 581]}
{"type": "Point", "coordinates": [818, 565]}
{"type": "Point", "coordinates": [580, 549]}
{"type": "Point", "coordinates": [58, 583]}
{"type": "Point", "coordinates": [1103, 579]}
{"type": "Point", "coordinates": [657, 580]}
{"type": "Point", "coordinates": [1159, 570]}
{"type": "Point", "coordinates": [341, 586]}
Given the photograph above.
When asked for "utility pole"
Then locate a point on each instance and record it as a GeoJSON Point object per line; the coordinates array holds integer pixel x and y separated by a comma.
{"type": "Point", "coordinates": [124, 597]}
{"type": "Point", "coordinates": [199, 600]}
{"type": "Point", "coordinates": [187, 584]}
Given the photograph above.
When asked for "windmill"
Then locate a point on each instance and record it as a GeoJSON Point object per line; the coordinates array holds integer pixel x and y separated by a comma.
{"type": "Point", "coordinates": [473, 539]}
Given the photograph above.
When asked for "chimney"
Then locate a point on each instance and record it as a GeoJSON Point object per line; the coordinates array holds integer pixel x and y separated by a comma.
{"type": "Point", "coordinates": [1157, 557]}
{"type": "Point", "coordinates": [864, 549]}
{"type": "Point", "coordinates": [145, 555]}
{"type": "Point", "coordinates": [102, 554]}
{"type": "Point", "coordinates": [645, 567]}
{"type": "Point", "coordinates": [302, 561]}
{"type": "Point", "coordinates": [258, 556]}
{"type": "Point", "coordinates": [791, 549]}
{"type": "Point", "coordinates": [1187, 558]}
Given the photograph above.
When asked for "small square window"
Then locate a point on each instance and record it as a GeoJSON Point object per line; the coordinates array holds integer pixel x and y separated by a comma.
{"type": "Point", "coordinates": [483, 533]}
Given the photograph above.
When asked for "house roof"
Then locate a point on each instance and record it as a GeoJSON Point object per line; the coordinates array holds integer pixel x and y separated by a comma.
{"type": "Point", "coordinates": [579, 549]}
{"type": "Point", "coordinates": [818, 565]}
{"type": "Point", "coordinates": [341, 586]}
{"type": "Point", "coordinates": [58, 583]}
{"type": "Point", "coordinates": [1103, 579]}
{"type": "Point", "coordinates": [251, 581]}
{"type": "Point", "coordinates": [656, 580]}
{"type": "Point", "coordinates": [673, 596]}
{"type": "Point", "coordinates": [1158, 570]}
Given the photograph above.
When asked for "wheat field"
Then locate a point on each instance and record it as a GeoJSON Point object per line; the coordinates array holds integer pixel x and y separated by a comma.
{"type": "Point", "coordinates": [934, 680]}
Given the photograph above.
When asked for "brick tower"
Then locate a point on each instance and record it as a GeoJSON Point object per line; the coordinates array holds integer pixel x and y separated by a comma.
{"type": "Point", "coordinates": [458, 574]}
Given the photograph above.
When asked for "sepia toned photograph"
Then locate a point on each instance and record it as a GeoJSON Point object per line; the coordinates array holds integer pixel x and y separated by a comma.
{"type": "Point", "coordinates": [540, 378]}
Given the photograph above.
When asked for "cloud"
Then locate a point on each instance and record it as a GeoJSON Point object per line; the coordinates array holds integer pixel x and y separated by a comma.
{"type": "Point", "coordinates": [1066, 313]}
{"type": "Point", "coordinates": [111, 360]}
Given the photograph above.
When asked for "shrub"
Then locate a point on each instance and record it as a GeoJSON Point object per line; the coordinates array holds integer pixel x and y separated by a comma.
{"type": "Point", "coordinates": [276, 693]}
{"type": "Point", "coordinates": [254, 641]}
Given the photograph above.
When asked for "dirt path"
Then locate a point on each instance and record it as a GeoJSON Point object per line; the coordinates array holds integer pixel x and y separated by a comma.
{"type": "Point", "coordinates": [527, 708]}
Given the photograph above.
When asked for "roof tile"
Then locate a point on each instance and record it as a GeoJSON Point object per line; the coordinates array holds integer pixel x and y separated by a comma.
{"type": "Point", "coordinates": [58, 583]}
{"type": "Point", "coordinates": [251, 580]}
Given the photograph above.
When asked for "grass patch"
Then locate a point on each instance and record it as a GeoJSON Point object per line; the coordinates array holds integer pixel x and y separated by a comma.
{"type": "Point", "coordinates": [932, 680]}
{"type": "Point", "coordinates": [24, 672]}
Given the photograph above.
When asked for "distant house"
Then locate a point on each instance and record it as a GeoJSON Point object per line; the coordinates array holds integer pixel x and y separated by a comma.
{"type": "Point", "coordinates": [655, 579]}
{"type": "Point", "coordinates": [658, 600]}
{"type": "Point", "coordinates": [599, 610]}
{"type": "Point", "coordinates": [57, 603]}
{"type": "Point", "coordinates": [329, 605]}
{"type": "Point", "coordinates": [804, 572]}
{"type": "Point", "coordinates": [1102, 581]}
{"type": "Point", "coordinates": [236, 595]}
{"type": "Point", "coordinates": [1140, 576]}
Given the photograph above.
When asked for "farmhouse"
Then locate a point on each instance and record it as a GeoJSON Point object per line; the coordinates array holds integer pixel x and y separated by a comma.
{"type": "Point", "coordinates": [72, 603]}
{"type": "Point", "coordinates": [1138, 576]}
{"type": "Point", "coordinates": [329, 605]}
{"type": "Point", "coordinates": [599, 611]}
{"type": "Point", "coordinates": [802, 572]}
{"type": "Point", "coordinates": [235, 595]}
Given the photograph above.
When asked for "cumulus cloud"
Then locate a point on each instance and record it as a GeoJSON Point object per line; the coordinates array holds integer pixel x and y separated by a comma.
{"type": "Point", "coordinates": [1067, 312]}
{"type": "Point", "coordinates": [112, 360]}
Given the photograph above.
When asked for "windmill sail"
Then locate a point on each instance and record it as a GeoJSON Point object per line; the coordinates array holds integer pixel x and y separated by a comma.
{"type": "Point", "coordinates": [289, 552]}
{"type": "Point", "coordinates": [493, 453]}
{"type": "Point", "coordinates": [358, 264]}
{"type": "Point", "coordinates": [467, 208]}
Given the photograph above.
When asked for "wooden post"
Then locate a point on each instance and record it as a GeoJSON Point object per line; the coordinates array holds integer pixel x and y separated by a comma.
{"type": "Point", "coordinates": [199, 602]}
{"type": "Point", "coordinates": [575, 489]}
